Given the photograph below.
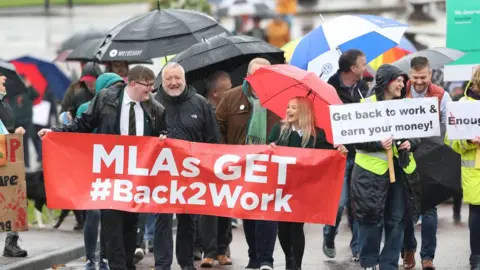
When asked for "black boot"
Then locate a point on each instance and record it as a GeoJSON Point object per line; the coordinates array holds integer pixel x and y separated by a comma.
{"type": "Point", "coordinates": [12, 249]}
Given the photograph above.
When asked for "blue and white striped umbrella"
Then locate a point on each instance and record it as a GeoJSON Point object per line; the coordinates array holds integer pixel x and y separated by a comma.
{"type": "Point", "coordinates": [319, 50]}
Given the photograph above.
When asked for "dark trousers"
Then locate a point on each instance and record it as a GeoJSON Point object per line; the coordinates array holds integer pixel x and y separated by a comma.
{"type": "Point", "coordinates": [292, 240]}
{"type": "Point", "coordinates": [370, 234]}
{"type": "Point", "coordinates": [198, 236]}
{"type": "Point", "coordinates": [457, 205]}
{"type": "Point", "coordinates": [90, 235]}
{"type": "Point", "coordinates": [120, 232]}
{"type": "Point", "coordinates": [261, 236]}
{"type": "Point", "coordinates": [429, 235]}
{"type": "Point", "coordinates": [215, 234]}
{"type": "Point", "coordinates": [163, 240]}
{"type": "Point", "coordinates": [37, 143]}
{"type": "Point", "coordinates": [141, 222]}
{"type": "Point", "coordinates": [474, 226]}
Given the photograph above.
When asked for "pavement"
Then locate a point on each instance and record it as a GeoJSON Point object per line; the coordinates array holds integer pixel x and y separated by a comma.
{"type": "Point", "coordinates": [46, 247]}
{"type": "Point", "coordinates": [452, 253]}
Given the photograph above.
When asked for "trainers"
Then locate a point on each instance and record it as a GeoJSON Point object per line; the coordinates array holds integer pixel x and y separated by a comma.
{"type": "Point", "coordinates": [90, 265]}
{"type": "Point", "coordinates": [329, 249]}
{"type": "Point", "coordinates": [138, 256]}
{"type": "Point", "coordinates": [224, 260]}
{"type": "Point", "coordinates": [266, 267]}
{"type": "Point", "coordinates": [370, 268]}
{"type": "Point", "coordinates": [252, 265]}
{"type": "Point", "coordinates": [356, 257]}
{"type": "Point", "coordinates": [103, 265]}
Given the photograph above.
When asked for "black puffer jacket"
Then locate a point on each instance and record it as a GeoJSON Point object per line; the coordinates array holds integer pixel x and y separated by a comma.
{"type": "Point", "coordinates": [369, 190]}
{"type": "Point", "coordinates": [103, 114]}
{"type": "Point", "coordinates": [189, 117]}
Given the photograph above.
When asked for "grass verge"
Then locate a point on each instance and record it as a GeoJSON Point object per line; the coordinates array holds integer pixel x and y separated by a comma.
{"type": "Point", "coordinates": [33, 3]}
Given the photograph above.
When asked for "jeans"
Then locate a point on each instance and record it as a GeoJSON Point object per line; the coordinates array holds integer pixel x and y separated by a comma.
{"type": "Point", "coordinates": [474, 226]}
{"type": "Point", "coordinates": [163, 240]}
{"type": "Point", "coordinates": [329, 232]}
{"type": "Point", "coordinates": [370, 234]}
{"type": "Point", "coordinates": [429, 235]}
{"type": "Point", "coordinates": [150, 227]}
{"type": "Point", "coordinates": [261, 236]}
{"type": "Point", "coordinates": [90, 235]}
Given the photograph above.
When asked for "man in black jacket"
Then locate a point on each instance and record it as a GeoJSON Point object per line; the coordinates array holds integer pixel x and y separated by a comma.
{"type": "Point", "coordinates": [7, 125]}
{"type": "Point", "coordinates": [350, 88]}
{"type": "Point", "coordinates": [124, 109]}
{"type": "Point", "coordinates": [189, 117]}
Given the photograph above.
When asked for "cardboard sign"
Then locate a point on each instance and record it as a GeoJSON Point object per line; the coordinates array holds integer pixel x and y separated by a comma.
{"type": "Point", "coordinates": [463, 122]}
{"type": "Point", "coordinates": [13, 192]}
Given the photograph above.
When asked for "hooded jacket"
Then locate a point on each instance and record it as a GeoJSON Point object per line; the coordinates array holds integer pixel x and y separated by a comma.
{"type": "Point", "coordinates": [189, 117]}
{"type": "Point", "coordinates": [103, 81]}
{"type": "Point", "coordinates": [369, 190]}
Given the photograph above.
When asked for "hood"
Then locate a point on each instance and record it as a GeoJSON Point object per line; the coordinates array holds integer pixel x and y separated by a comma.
{"type": "Point", "coordinates": [185, 95]}
{"type": "Point", "coordinates": [469, 92]}
{"type": "Point", "coordinates": [385, 74]}
{"type": "Point", "coordinates": [91, 69]}
{"type": "Point", "coordinates": [106, 80]}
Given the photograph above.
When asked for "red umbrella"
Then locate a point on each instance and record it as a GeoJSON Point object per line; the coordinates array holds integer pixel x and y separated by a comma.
{"type": "Point", "coordinates": [276, 85]}
{"type": "Point", "coordinates": [31, 72]}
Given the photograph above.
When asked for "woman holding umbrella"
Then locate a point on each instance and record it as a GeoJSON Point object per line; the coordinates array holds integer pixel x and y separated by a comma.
{"type": "Point", "coordinates": [297, 130]}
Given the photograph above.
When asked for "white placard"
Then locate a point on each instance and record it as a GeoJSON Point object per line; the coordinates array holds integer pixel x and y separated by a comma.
{"type": "Point", "coordinates": [41, 113]}
{"type": "Point", "coordinates": [376, 121]}
{"type": "Point", "coordinates": [463, 120]}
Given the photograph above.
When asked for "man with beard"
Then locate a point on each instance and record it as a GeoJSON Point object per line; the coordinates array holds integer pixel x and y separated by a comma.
{"type": "Point", "coordinates": [189, 117]}
{"type": "Point", "coordinates": [128, 110]}
{"type": "Point", "coordinates": [7, 125]}
{"type": "Point", "coordinates": [420, 86]}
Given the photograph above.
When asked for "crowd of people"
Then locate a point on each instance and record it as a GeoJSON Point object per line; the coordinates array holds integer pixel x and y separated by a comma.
{"type": "Point", "coordinates": [123, 101]}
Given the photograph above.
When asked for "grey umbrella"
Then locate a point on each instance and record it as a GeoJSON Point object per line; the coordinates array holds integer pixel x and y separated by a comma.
{"type": "Point", "coordinates": [438, 57]}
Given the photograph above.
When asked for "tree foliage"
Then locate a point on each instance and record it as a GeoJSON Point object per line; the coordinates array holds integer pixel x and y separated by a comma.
{"type": "Point", "coordinates": [200, 5]}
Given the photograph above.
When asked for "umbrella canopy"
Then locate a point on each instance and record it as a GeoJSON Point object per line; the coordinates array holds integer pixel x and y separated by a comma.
{"type": "Point", "coordinates": [14, 83]}
{"type": "Point", "coordinates": [439, 168]}
{"type": "Point", "coordinates": [158, 33]}
{"type": "Point", "coordinates": [230, 54]}
{"type": "Point", "coordinates": [80, 37]}
{"type": "Point", "coordinates": [57, 81]}
{"type": "Point", "coordinates": [254, 8]}
{"type": "Point", "coordinates": [85, 52]}
{"type": "Point", "coordinates": [320, 49]}
{"type": "Point", "coordinates": [32, 74]}
{"type": "Point", "coordinates": [405, 47]}
{"type": "Point", "coordinates": [438, 57]}
{"type": "Point", "coordinates": [291, 82]}
{"type": "Point", "coordinates": [289, 48]}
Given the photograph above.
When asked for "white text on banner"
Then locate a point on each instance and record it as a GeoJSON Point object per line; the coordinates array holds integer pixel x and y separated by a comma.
{"type": "Point", "coordinates": [463, 120]}
{"type": "Point", "coordinates": [376, 121]}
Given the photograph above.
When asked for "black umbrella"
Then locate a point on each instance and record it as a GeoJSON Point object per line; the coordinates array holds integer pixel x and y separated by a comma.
{"type": "Point", "coordinates": [86, 52]}
{"type": "Point", "coordinates": [73, 41]}
{"type": "Point", "coordinates": [439, 168]}
{"type": "Point", "coordinates": [230, 54]}
{"type": "Point", "coordinates": [158, 33]}
{"type": "Point", "coordinates": [14, 83]}
{"type": "Point", "coordinates": [254, 8]}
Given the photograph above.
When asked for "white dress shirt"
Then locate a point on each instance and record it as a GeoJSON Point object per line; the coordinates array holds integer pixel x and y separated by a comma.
{"type": "Point", "coordinates": [299, 131]}
{"type": "Point", "coordinates": [125, 115]}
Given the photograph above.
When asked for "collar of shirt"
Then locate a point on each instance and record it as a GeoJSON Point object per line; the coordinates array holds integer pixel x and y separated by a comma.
{"type": "Point", "coordinates": [127, 99]}
{"type": "Point", "coordinates": [299, 131]}
{"type": "Point", "coordinates": [415, 94]}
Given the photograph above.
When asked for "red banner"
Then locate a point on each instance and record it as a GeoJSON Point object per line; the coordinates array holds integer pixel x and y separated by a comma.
{"type": "Point", "coordinates": [143, 174]}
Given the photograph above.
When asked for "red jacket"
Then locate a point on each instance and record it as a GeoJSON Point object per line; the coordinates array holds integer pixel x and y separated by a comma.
{"type": "Point", "coordinates": [432, 91]}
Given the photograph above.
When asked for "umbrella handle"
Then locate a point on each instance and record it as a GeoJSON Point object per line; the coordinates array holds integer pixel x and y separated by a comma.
{"type": "Point", "coordinates": [391, 168]}
{"type": "Point", "coordinates": [477, 158]}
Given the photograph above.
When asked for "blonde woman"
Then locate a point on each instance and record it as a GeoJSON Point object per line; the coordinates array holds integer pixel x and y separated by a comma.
{"type": "Point", "coordinates": [471, 175]}
{"type": "Point", "coordinates": [297, 130]}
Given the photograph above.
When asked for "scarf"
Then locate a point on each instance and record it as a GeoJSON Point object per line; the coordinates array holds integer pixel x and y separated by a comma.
{"type": "Point", "coordinates": [257, 124]}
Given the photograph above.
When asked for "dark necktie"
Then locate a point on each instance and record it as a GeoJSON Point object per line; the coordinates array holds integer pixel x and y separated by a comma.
{"type": "Point", "coordinates": [132, 127]}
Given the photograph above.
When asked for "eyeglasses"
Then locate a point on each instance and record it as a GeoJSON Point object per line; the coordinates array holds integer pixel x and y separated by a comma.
{"type": "Point", "coordinates": [149, 85]}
